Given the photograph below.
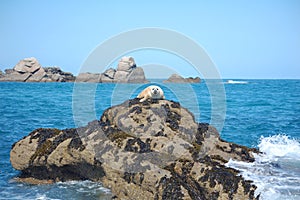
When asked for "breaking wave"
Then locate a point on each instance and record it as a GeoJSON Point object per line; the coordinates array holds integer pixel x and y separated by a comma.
{"type": "Point", "coordinates": [276, 171]}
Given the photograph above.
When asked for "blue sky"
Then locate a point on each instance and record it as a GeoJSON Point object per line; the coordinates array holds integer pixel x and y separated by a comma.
{"type": "Point", "coordinates": [245, 39]}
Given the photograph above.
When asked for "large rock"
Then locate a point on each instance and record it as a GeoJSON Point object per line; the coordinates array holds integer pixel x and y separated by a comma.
{"type": "Point", "coordinates": [175, 78]}
{"type": "Point", "coordinates": [27, 65]}
{"type": "Point", "coordinates": [134, 76]}
{"type": "Point", "coordinates": [37, 76]}
{"type": "Point", "coordinates": [110, 73]}
{"type": "Point", "coordinates": [137, 75]}
{"type": "Point", "coordinates": [193, 80]}
{"type": "Point", "coordinates": [126, 64]}
{"type": "Point", "coordinates": [108, 76]}
{"type": "Point", "coordinates": [126, 72]}
{"type": "Point", "coordinates": [55, 74]}
{"type": "Point", "coordinates": [121, 76]}
{"type": "Point", "coordinates": [149, 150]}
{"type": "Point", "coordinates": [26, 70]}
{"type": "Point", "coordinates": [15, 77]}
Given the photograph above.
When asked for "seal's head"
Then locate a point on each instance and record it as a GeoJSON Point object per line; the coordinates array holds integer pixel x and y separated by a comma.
{"type": "Point", "coordinates": [156, 92]}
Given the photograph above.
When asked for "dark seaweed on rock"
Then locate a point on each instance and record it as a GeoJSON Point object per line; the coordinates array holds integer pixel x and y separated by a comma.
{"type": "Point", "coordinates": [149, 150]}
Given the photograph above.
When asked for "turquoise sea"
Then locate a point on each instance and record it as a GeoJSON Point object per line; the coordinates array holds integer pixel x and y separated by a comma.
{"type": "Point", "coordinates": [259, 113]}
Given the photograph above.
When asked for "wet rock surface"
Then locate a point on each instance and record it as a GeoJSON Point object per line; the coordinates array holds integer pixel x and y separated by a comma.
{"type": "Point", "coordinates": [149, 150]}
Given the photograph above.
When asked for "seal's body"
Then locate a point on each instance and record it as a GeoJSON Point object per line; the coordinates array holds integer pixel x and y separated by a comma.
{"type": "Point", "coordinates": [151, 92]}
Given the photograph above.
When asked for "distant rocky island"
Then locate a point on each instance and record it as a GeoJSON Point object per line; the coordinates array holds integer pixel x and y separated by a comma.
{"type": "Point", "coordinates": [126, 72]}
{"type": "Point", "coordinates": [30, 70]}
{"type": "Point", "coordinates": [175, 78]}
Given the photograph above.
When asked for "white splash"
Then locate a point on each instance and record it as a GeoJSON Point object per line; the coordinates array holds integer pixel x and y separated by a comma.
{"type": "Point", "coordinates": [275, 172]}
{"type": "Point", "coordinates": [236, 82]}
{"type": "Point", "coordinates": [279, 146]}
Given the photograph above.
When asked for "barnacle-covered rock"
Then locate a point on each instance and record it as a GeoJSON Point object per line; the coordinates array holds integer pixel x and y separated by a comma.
{"type": "Point", "coordinates": [148, 150]}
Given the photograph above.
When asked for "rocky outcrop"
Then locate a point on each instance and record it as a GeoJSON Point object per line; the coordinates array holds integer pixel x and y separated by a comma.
{"type": "Point", "coordinates": [108, 76]}
{"type": "Point", "coordinates": [57, 75]}
{"type": "Point", "coordinates": [193, 80]}
{"type": "Point", "coordinates": [88, 77]}
{"type": "Point", "coordinates": [30, 70]}
{"type": "Point", "coordinates": [149, 150]}
{"type": "Point", "coordinates": [126, 64]}
{"type": "Point", "coordinates": [175, 78]}
{"type": "Point", "coordinates": [126, 72]}
{"type": "Point", "coordinates": [26, 70]}
{"type": "Point", "coordinates": [137, 76]}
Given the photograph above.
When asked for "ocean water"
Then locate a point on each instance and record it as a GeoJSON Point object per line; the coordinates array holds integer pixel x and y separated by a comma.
{"type": "Point", "coordinates": [259, 113]}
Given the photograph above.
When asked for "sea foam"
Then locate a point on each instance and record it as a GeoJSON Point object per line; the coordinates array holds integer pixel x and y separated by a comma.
{"type": "Point", "coordinates": [276, 171]}
{"type": "Point", "coordinates": [279, 146]}
{"type": "Point", "coordinates": [236, 82]}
